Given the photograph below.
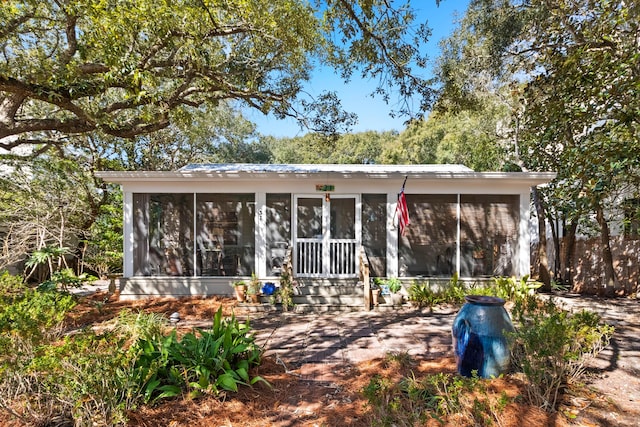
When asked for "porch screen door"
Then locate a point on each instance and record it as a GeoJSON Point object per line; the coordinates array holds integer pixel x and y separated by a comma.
{"type": "Point", "coordinates": [326, 240]}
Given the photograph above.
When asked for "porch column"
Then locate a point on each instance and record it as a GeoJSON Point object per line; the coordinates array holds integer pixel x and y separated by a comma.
{"type": "Point", "coordinates": [127, 242]}
{"type": "Point", "coordinates": [260, 266]}
{"type": "Point", "coordinates": [392, 235]}
{"type": "Point", "coordinates": [523, 257]}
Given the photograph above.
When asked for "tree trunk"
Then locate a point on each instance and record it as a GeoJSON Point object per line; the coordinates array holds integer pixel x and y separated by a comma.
{"type": "Point", "coordinates": [543, 270]}
{"type": "Point", "coordinates": [553, 225]}
{"type": "Point", "coordinates": [609, 287]}
{"type": "Point", "coordinates": [566, 256]}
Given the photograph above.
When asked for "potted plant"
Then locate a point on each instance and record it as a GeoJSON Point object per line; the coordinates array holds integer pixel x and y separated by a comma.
{"type": "Point", "coordinates": [375, 291]}
{"type": "Point", "coordinates": [395, 286]}
{"type": "Point", "coordinates": [240, 287]}
{"type": "Point", "coordinates": [253, 290]}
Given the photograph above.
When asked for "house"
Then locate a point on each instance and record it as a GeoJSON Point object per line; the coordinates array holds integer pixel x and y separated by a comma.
{"type": "Point", "coordinates": [194, 230]}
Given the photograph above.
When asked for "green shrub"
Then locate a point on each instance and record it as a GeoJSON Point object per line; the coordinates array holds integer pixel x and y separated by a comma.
{"type": "Point", "coordinates": [65, 279]}
{"type": "Point", "coordinates": [513, 289]}
{"type": "Point", "coordinates": [285, 291]}
{"type": "Point", "coordinates": [82, 379]}
{"type": "Point", "coordinates": [421, 295]}
{"type": "Point", "coordinates": [10, 286]}
{"type": "Point", "coordinates": [455, 291]}
{"type": "Point", "coordinates": [31, 313]}
{"type": "Point", "coordinates": [87, 377]}
{"type": "Point", "coordinates": [552, 346]}
{"type": "Point", "coordinates": [201, 362]}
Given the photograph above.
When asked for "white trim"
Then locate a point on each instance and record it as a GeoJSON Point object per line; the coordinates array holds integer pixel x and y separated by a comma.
{"type": "Point", "coordinates": [458, 233]}
{"type": "Point", "coordinates": [349, 181]}
{"type": "Point", "coordinates": [326, 239]}
{"type": "Point", "coordinates": [523, 248]}
{"type": "Point", "coordinates": [261, 234]}
{"type": "Point", "coordinates": [127, 241]}
{"type": "Point", "coordinates": [194, 228]}
{"type": "Point", "coordinates": [390, 173]}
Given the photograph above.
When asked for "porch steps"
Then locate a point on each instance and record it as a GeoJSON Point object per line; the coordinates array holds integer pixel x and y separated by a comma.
{"type": "Point", "coordinates": [323, 298]}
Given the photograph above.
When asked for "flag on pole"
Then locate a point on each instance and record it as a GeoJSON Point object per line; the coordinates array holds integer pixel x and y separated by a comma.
{"type": "Point", "coordinates": [402, 211]}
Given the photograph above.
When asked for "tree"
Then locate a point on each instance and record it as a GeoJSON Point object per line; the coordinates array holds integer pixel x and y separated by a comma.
{"type": "Point", "coordinates": [469, 137]}
{"type": "Point", "coordinates": [46, 208]}
{"type": "Point", "coordinates": [216, 135]}
{"type": "Point", "coordinates": [126, 69]}
{"type": "Point", "coordinates": [574, 67]}
{"type": "Point", "coordinates": [88, 218]}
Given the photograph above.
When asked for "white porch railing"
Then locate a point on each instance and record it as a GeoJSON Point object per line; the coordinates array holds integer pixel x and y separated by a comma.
{"type": "Point", "coordinates": [308, 257]}
{"type": "Point", "coordinates": [342, 258]}
{"type": "Point", "coordinates": [341, 261]}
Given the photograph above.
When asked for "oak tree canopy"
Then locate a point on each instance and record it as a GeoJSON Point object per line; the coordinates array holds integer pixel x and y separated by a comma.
{"type": "Point", "coordinates": [126, 68]}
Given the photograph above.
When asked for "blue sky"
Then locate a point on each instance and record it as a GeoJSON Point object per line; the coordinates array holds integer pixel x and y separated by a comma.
{"type": "Point", "coordinates": [373, 113]}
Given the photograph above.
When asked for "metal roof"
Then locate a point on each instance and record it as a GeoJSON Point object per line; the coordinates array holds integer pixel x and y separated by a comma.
{"type": "Point", "coordinates": [252, 171]}
{"type": "Point", "coordinates": [321, 168]}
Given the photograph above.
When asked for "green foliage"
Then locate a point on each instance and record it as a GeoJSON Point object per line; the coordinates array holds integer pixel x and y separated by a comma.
{"type": "Point", "coordinates": [104, 245]}
{"type": "Point", "coordinates": [46, 255]}
{"type": "Point", "coordinates": [200, 362]}
{"type": "Point", "coordinates": [55, 202]}
{"type": "Point", "coordinates": [401, 358]}
{"type": "Point", "coordinates": [31, 314]}
{"type": "Point", "coordinates": [466, 137]}
{"type": "Point", "coordinates": [285, 290]}
{"type": "Point", "coordinates": [455, 291]}
{"type": "Point", "coordinates": [421, 295]}
{"type": "Point", "coordinates": [87, 378]}
{"type": "Point", "coordinates": [99, 80]}
{"type": "Point", "coordinates": [65, 279]}
{"type": "Point", "coordinates": [254, 285]}
{"type": "Point", "coordinates": [358, 148]}
{"type": "Point", "coordinates": [10, 286]}
{"type": "Point", "coordinates": [552, 347]}
{"type": "Point", "coordinates": [511, 288]}
{"type": "Point", "coordinates": [393, 284]}
{"type": "Point", "coordinates": [554, 74]}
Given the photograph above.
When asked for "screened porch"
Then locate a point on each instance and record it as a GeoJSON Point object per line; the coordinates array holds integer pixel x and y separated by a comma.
{"type": "Point", "coordinates": [215, 235]}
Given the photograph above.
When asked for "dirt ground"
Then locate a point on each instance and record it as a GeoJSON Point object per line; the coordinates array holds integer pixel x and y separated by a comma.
{"type": "Point", "coordinates": [611, 398]}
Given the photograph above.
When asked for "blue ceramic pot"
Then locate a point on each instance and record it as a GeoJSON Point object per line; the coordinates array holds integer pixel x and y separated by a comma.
{"type": "Point", "coordinates": [479, 341]}
{"type": "Point", "coordinates": [268, 288]}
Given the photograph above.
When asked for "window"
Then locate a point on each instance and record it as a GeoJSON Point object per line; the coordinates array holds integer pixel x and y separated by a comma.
{"type": "Point", "coordinates": [163, 229]}
{"type": "Point", "coordinates": [164, 243]}
{"type": "Point", "coordinates": [278, 232]}
{"type": "Point", "coordinates": [374, 232]}
{"type": "Point", "coordinates": [429, 245]}
{"type": "Point", "coordinates": [488, 234]}
{"type": "Point", "coordinates": [225, 234]}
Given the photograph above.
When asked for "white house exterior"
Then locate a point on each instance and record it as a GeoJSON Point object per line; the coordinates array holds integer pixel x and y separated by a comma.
{"type": "Point", "coordinates": [193, 231]}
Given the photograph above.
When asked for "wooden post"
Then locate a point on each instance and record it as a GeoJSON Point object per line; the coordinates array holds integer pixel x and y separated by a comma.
{"type": "Point", "coordinates": [112, 282]}
{"type": "Point", "coordinates": [364, 277]}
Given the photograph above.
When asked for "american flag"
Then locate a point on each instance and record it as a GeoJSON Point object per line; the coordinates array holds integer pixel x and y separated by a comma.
{"type": "Point", "coordinates": [402, 211]}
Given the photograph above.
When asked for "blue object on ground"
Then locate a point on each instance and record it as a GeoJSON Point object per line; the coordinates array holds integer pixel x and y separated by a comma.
{"type": "Point", "coordinates": [479, 340]}
{"type": "Point", "coordinates": [268, 288]}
